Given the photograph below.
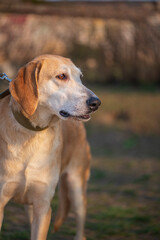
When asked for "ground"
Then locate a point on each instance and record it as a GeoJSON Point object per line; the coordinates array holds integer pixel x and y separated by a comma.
{"type": "Point", "coordinates": [123, 190]}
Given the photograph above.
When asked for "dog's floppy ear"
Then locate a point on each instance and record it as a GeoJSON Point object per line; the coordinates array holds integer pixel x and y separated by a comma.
{"type": "Point", "coordinates": [24, 88]}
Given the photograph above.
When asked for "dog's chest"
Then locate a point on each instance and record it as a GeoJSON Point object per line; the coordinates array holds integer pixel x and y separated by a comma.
{"type": "Point", "coordinates": [34, 165]}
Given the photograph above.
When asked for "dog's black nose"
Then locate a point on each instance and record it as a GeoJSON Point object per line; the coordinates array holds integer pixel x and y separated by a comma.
{"type": "Point", "coordinates": [93, 103]}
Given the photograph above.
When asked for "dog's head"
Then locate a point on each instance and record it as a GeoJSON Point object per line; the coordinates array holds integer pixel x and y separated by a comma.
{"type": "Point", "coordinates": [55, 83]}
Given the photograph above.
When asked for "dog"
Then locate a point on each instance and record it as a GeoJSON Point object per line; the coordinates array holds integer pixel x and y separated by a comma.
{"type": "Point", "coordinates": [45, 92]}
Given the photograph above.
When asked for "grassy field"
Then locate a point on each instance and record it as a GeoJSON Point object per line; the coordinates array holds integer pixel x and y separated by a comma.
{"type": "Point", "coordinates": [124, 189]}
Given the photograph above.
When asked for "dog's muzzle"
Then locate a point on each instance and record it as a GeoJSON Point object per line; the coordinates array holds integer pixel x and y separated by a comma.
{"type": "Point", "coordinates": [92, 103]}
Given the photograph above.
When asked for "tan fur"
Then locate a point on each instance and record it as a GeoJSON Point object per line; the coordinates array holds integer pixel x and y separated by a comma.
{"type": "Point", "coordinates": [75, 174]}
{"type": "Point", "coordinates": [25, 91]}
{"type": "Point", "coordinates": [31, 162]}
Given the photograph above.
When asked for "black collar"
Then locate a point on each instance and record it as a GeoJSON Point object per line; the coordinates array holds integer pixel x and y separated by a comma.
{"type": "Point", "coordinates": [21, 119]}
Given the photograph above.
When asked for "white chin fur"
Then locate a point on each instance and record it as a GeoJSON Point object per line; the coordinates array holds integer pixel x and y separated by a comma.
{"type": "Point", "coordinates": [76, 118]}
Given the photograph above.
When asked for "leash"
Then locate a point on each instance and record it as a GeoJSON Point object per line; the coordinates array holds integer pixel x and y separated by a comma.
{"type": "Point", "coordinates": [4, 76]}
{"type": "Point", "coordinates": [21, 119]}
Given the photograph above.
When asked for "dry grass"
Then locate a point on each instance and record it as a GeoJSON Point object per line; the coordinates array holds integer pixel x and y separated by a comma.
{"type": "Point", "coordinates": [137, 111]}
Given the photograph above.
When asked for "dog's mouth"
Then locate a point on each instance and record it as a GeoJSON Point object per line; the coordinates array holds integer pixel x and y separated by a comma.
{"type": "Point", "coordinates": [80, 117]}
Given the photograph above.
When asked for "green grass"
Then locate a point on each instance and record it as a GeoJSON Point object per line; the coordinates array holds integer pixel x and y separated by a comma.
{"type": "Point", "coordinates": [143, 178]}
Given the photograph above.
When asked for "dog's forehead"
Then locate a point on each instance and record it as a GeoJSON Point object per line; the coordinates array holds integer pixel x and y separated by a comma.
{"type": "Point", "coordinates": [56, 65]}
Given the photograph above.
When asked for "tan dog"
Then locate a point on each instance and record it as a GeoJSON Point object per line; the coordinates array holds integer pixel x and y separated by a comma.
{"type": "Point", "coordinates": [31, 139]}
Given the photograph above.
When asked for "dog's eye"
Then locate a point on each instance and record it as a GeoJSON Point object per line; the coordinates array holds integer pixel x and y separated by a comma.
{"type": "Point", "coordinates": [62, 76]}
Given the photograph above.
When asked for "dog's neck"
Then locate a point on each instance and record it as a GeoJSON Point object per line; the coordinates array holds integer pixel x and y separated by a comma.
{"type": "Point", "coordinates": [41, 118]}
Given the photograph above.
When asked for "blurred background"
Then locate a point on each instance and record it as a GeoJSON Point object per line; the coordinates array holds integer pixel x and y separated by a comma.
{"type": "Point", "coordinates": [117, 46]}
